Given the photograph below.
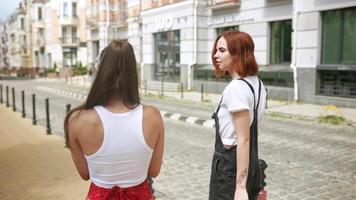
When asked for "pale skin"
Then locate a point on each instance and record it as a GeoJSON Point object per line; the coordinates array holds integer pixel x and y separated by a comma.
{"type": "Point", "coordinates": [86, 135]}
{"type": "Point", "coordinates": [241, 122]}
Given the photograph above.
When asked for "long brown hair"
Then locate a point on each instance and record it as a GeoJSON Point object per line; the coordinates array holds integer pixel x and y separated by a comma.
{"type": "Point", "coordinates": [241, 48]}
{"type": "Point", "coordinates": [116, 77]}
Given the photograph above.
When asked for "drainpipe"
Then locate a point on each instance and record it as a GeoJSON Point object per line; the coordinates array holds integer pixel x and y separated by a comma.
{"type": "Point", "coordinates": [107, 22]}
{"type": "Point", "coordinates": [294, 52]}
{"type": "Point", "coordinates": [191, 65]}
{"type": "Point", "coordinates": [142, 64]}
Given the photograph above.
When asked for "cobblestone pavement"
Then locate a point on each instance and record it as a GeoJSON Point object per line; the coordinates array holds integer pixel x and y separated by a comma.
{"type": "Point", "coordinates": [307, 160]}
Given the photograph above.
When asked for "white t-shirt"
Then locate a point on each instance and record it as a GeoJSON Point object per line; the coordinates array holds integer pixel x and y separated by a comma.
{"type": "Point", "coordinates": [237, 96]}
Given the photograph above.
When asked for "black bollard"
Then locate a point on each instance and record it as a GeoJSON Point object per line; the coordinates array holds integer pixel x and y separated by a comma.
{"type": "Point", "coordinates": [181, 91]}
{"type": "Point", "coordinates": [162, 86]}
{"type": "Point", "coordinates": [13, 99]}
{"type": "Point", "coordinates": [7, 97]}
{"type": "Point", "coordinates": [68, 108]}
{"type": "Point", "coordinates": [145, 87]}
{"type": "Point", "coordinates": [202, 92]}
{"type": "Point", "coordinates": [23, 104]}
{"type": "Point", "coordinates": [47, 117]}
{"type": "Point", "coordinates": [266, 98]}
{"type": "Point", "coordinates": [34, 121]}
{"type": "Point", "coordinates": [1, 94]}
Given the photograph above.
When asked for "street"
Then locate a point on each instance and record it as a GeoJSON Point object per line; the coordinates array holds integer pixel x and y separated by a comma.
{"type": "Point", "coordinates": [306, 160]}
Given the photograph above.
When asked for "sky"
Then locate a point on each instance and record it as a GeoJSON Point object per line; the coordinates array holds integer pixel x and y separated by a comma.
{"type": "Point", "coordinates": [7, 7]}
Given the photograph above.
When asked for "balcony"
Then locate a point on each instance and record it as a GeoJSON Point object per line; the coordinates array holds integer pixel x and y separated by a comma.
{"type": "Point", "coordinates": [38, 23]}
{"type": "Point", "coordinates": [40, 42]}
{"type": "Point", "coordinates": [69, 20]}
{"type": "Point", "coordinates": [92, 21]}
{"type": "Point", "coordinates": [223, 4]}
{"type": "Point", "coordinates": [69, 41]}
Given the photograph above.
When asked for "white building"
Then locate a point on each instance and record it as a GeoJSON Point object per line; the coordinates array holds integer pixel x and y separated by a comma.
{"type": "Point", "coordinates": [315, 63]}
{"type": "Point", "coordinates": [65, 33]}
{"type": "Point", "coordinates": [4, 51]}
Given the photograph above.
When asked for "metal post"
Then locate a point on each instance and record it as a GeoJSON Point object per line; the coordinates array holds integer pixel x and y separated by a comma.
{"type": "Point", "coordinates": [23, 104]}
{"type": "Point", "coordinates": [68, 108]}
{"type": "Point", "coordinates": [13, 99]}
{"type": "Point", "coordinates": [266, 97]}
{"type": "Point", "coordinates": [145, 82]}
{"type": "Point", "coordinates": [181, 91]}
{"type": "Point", "coordinates": [47, 117]}
{"type": "Point", "coordinates": [34, 121]}
{"type": "Point", "coordinates": [162, 85]}
{"type": "Point", "coordinates": [202, 92]}
{"type": "Point", "coordinates": [7, 97]}
{"type": "Point", "coordinates": [1, 94]}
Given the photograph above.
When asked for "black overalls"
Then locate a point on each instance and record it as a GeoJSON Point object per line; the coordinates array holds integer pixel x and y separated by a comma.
{"type": "Point", "coordinates": [223, 169]}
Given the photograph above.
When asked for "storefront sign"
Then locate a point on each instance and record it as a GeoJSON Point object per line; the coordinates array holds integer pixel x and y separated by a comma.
{"type": "Point", "coordinates": [164, 22]}
{"type": "Point", "coordinates": [229, 19]}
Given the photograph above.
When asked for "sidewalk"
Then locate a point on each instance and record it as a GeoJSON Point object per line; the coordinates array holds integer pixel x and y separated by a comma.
{"type": "Point", "coordinates": [35, 165]}
{"type": "Point", "coordinates": [284, 107]}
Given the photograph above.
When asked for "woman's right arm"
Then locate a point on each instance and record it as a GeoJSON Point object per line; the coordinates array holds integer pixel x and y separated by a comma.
{"type": "Point", "coordinates": [153, 124]}
{"type": "Point", "coordinates": [75, 127]}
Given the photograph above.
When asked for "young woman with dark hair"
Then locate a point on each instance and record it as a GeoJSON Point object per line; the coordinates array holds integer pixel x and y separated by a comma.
{"type": "Point", "coordinates": [114, 140]}
{"type": "Point", "coordinates": [233, 54]}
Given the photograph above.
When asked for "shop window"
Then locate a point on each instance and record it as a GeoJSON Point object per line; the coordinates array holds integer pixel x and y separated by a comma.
{"type": "Point", "coordinates": [277, 78]}
{"type": "Point", "coordinates": [209, 75]}
{"type": "Point", "coordinates": [338, 32]}
{"type": "Point", "coordinates": [336, 83]}
{"type": "Point", "coordinates": [167, 56]}
{"type": "Point", "coordinates": [227, 28]}
{"type": "Point", "coordinates": [281, 42]}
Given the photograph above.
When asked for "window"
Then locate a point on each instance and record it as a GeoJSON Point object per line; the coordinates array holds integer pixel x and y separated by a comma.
{"type": "Point", "coordinates": [22, 23]}
{"type": "Point", "coordinates": [65, 9]}
{"type": "Point", "coordinates": [339, 30]}
{"type": "Point", "coordinates": [167, 56]}
{"type": "Point", "coordinates": [74, 34]}
{"type": "Point", "coordinates": [74, 9]}
{"type": "Point", "coordinates": [336, 83]}
{"type": "Point", "coordinates": [39, 10]}
{"type": "Point", "coordinates": [277, 78]}
{"type": "Point", "coordinates": [281, 42]}
{"type": "Point", "coordinates": [228, 28]}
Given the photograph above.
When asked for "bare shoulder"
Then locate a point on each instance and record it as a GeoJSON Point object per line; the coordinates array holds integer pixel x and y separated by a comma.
{"type": "Point", "coordinates": [150, 110]}
{"type": "Point", "coordinates": [83, 120]}
{"type": "Point", "coordinates": [151, 114]}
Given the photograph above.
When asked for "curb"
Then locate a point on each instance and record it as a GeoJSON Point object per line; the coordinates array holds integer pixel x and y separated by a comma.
{"type": "Point", "coordinates": [189, 119]}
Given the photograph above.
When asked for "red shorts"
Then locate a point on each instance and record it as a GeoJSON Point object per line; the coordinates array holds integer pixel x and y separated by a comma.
{"type": "Point", "coordinates": [138, 192]}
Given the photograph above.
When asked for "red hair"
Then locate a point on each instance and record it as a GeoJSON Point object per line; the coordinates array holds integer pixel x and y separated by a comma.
{"type": "Point", "coordinates": [241, 48]}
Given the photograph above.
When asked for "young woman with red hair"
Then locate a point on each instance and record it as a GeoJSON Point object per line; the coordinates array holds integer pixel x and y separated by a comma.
{"type": "Point", "coordinates": [233, 55]}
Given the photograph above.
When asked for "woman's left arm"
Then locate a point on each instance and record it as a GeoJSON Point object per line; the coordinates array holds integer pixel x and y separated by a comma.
{"type": "Point", "coordinates": [242, 130]}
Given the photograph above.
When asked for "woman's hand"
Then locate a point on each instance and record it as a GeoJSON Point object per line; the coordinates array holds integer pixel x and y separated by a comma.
{"type": "Point", "coordinates": [241, 194]}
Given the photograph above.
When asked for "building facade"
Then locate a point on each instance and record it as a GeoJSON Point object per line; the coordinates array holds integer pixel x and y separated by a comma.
{"type": "Point", "coordinates": [65, 31]}
{"type": "Point", "coordinates": [14, 34]}
{"type": "Point", "coordinates": [4, 51]}
{"type": "Point", "coordinates": [304, 48]}
{"type": "Point", "coordinates": [106, 21]}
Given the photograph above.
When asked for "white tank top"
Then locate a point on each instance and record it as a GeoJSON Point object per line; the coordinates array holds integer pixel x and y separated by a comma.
{"type": "Point", "coordinates": [124, 157]}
